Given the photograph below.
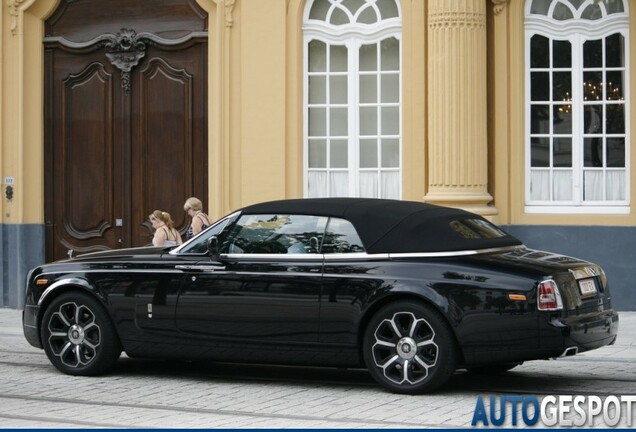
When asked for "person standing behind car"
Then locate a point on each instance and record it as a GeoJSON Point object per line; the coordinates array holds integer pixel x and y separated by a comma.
{"type": "Point", "coordinates": [200, 220]}
{"type": "Point", "coordinates": [165, 232]}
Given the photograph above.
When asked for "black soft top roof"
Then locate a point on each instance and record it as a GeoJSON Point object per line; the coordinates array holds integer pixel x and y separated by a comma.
{"type": "Point", "coordinates": [392, 226]}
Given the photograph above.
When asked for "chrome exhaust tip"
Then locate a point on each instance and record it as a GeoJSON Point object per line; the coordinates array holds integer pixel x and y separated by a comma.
{"type": "Point", "coordinates": [570, 352]}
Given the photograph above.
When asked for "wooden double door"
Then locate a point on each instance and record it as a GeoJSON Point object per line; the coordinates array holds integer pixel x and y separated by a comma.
{"type": "Point", "coordinates": [125, 126]}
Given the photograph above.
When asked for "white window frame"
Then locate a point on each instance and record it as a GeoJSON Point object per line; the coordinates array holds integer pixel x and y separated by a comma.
{"type": "Point", "coordinates": [577, 32]}
{"type": "Point", "coordinates": [353, 36]}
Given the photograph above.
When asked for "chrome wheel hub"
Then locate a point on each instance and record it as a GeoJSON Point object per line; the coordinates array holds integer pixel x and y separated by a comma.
{"type": "Point", "coordinates": [74, 335]}
{"type": "Point", "coordinates": [405, 348]}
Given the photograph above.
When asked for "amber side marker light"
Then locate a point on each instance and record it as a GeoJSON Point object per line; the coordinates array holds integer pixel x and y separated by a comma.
{"type": "Point", "coordinates": [516, 297]}
{"type": "Point", "coordinates": [41, 281]}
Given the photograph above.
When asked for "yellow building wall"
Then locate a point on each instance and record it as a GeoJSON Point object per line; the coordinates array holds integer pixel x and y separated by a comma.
{"type": "Point", "coordinates": [266, 103]}
{"type": "Point", "coordinates": [256, 107]}
{"type": "Point", "coordinates": [414, 107]}
{"type": "Point", "coordinates": [21, 112]}
{"type": "Point", "coordinates": [261, 148]}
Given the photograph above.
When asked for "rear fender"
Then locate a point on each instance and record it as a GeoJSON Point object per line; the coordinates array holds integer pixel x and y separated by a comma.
{"type": "Point", "coordinates": [415, 294]}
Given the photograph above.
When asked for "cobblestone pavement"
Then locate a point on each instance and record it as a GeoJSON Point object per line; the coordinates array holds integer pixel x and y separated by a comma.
{"type": "Point", "coordinates": [154, 394]}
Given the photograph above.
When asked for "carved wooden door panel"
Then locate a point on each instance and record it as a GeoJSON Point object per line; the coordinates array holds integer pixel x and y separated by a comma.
{"type": "Point", "coordinates": [125, 134]}
{"type": "Point", "coordinates": [169, 135]}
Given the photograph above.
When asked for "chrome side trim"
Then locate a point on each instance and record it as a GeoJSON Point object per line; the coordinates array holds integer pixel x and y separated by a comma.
{"type": "Point", "coordinates": [367, 256]}
{"type": "Point", "coordinates": [61, 283]}
{"type": "Point", "coordinates": [128, 271]}
{"type": "Point", "coordinates": [455, 253]}
{"type": "Point", "coordinates": [270, 257]}
{"type": "Point", "coordinates": [356, 256]}
{"type": "Point", "coordinates": [200, 267]}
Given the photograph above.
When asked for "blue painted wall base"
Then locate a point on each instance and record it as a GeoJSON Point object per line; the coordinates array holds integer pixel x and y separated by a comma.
{"type": "Point", "coordinates": [22, 249]}
{"type": "Point", "coordinates": [613, 248]}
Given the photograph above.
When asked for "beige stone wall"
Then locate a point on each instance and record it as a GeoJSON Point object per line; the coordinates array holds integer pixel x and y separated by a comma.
{"type": "Point", "coordinates": [21, 108]}
{"type": "Point", "coordinates": [256, 106]}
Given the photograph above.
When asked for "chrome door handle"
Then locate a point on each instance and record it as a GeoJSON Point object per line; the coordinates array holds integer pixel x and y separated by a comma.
{"type": "Point", "coordinates": [200, 267]}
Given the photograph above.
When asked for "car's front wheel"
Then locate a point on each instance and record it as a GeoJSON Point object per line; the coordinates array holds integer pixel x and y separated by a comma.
{"type": "Point", "coordinates": [409, 348]}
{"type": "Point", "coordinates": [78, 335]}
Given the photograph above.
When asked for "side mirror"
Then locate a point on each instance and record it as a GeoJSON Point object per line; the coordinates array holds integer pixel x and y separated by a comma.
{"type": "Point", "coordinates": [213, 247]}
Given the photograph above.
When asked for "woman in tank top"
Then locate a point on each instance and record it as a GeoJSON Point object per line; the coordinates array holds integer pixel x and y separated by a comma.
{"type": "Point", "coordinates": [200, 221]}
{"type": "Point", "coordinates": [165, 232]}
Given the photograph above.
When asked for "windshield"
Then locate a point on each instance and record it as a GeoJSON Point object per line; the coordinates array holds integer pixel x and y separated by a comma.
{"type": "Point", "coordinates": [199, 244]}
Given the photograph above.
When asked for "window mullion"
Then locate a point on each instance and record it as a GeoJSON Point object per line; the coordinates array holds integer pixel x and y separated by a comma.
{"type": "Point", "coordinates": [551, 125]}
{"type": "Point", "coordinates": [306, 42]}
{"type": "Point", "coordinates": [578, 142]}
{"type": "Point", "coordinates": [353, 100]}
{"type": "Point", "coordinates": [379, 133]}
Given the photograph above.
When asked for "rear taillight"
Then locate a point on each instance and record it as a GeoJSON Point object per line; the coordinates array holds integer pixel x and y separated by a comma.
{"type": "Point", "coordinates": [549, 296]}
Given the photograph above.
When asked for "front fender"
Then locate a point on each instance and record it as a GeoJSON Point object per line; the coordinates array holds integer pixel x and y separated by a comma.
{"type": "Point", "coordinates": [64, 284]}
{"type": "Point", "coordinates": [32, 314]}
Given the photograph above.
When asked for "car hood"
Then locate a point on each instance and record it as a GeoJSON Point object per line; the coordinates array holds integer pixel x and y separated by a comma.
{"type": "Point", "coordinates": [121, 253]}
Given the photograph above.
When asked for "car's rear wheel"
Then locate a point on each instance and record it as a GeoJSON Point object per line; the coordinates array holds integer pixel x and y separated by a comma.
{"type": "Point", "coordinates": [78, 335]}
{"type": "Point", "coordinates": [409, 348]}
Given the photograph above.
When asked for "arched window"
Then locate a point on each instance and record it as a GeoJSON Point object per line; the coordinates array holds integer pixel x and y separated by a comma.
{"type": "Point", "coordinates": [577, 79]}
{"type": "Point", "coordinates": [352, 132]}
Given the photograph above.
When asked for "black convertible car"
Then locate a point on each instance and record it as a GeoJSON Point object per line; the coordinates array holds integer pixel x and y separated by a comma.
{"type": "Point", "coordinates": [410, 291]}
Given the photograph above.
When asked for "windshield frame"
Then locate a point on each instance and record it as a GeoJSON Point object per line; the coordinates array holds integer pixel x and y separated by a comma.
{"type": "Point", "coordinates": [204, 235]}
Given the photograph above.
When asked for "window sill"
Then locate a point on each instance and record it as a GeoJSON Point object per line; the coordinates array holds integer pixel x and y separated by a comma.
{"type": "Point", "coordinates": [578, 210]}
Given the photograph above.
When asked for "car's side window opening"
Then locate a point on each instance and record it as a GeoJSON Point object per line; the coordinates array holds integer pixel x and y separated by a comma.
{"type": "Point", "coordinates": [275, 234]}
{"type": "Point", "coordinates": [341, 237]}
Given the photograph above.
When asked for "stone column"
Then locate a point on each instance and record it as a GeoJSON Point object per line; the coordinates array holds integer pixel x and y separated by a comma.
{"type": "Point", "coordinates": [457, 105]}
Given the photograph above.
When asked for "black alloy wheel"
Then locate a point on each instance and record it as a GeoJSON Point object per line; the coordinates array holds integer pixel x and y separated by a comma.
{"type": "Point", "coordinates": [409, 348]}
{"type": "Point", "coordinates": [78, 335]}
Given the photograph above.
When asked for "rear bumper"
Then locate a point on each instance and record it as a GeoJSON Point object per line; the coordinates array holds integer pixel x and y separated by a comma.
{"type": "Point", "coordinates": [30, 325]}
{"type": "Point", "coordinates": [584, 332]}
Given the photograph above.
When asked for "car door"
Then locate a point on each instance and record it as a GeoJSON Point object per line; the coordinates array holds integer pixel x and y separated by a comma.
{"type": "Point", "coordinates": [265, 286]}
{"type": "Point", "coordinates": [350, 278]}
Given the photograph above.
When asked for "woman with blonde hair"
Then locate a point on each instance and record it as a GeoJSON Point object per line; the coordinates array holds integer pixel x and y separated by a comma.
{"type": "Point", "coordinates": [200, 220]}
{"type": "Point", "coordinates": [165, 232]}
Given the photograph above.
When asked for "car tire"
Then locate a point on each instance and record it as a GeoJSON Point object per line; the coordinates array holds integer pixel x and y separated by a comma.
{"type": "Point", "coordinates": [78, 335]}
{"type": "Point", "coordinates": [409, 348]}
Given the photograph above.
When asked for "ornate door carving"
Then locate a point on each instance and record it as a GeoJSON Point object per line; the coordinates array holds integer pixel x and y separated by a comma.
{"type": "Point", "coordinates": [125, 121]}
